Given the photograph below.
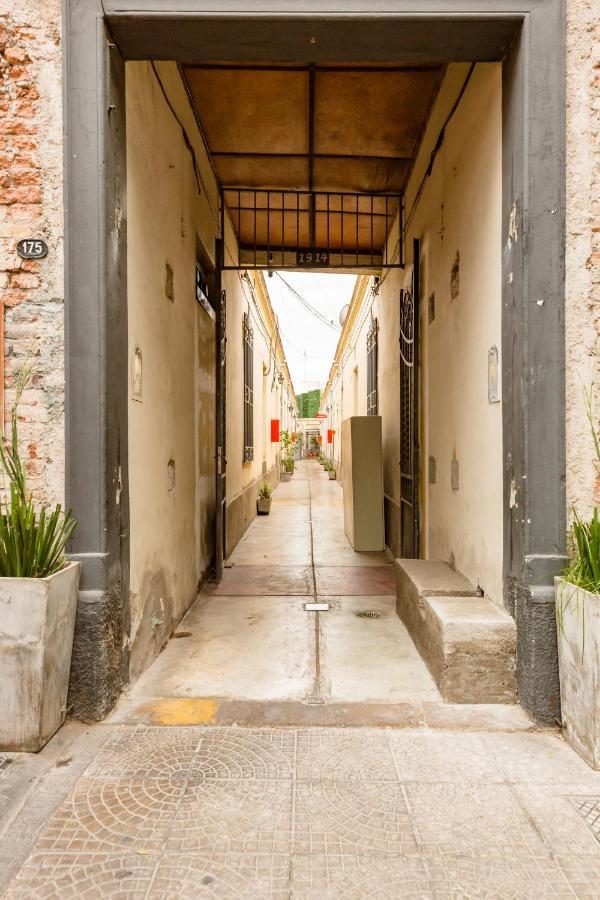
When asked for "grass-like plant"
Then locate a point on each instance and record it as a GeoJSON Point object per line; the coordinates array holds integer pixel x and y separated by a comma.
{"type": "Point", "coordinates": [265, 491]}
{"type": "Point", "coordinates": [32, 541]}
{"type": "Point", "coordinates": [583, 569]}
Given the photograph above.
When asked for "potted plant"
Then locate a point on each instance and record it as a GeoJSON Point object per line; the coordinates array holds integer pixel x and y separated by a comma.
{"type": "Point", "coordinates": [38, 602]}
{"type": "Point", "coordinates": [288, 455]}
{"type": "Point", "coordinates": [263, 503]}
{"type": "Point", "coordinates": [578, 630]}
{"type": "Point", "coordinates": [330, 469]}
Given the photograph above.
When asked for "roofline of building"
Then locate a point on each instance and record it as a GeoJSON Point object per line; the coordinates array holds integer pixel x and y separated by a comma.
{"type": "Point", "coordinates": [356, 301]}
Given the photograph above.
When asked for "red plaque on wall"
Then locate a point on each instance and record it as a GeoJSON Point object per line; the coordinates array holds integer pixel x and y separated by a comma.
{"type": "Point", "coordinates": [330, 435]}
{"type": "Point", "coordinates": [274, 431]}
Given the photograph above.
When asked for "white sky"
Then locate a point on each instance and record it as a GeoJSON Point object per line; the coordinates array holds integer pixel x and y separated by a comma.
{"type": "Point", "coordinates": [301, 331]}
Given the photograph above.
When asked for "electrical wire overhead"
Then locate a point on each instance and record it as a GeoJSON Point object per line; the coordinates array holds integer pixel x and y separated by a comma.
{"type": "Point", "coordinates": [311, 309]}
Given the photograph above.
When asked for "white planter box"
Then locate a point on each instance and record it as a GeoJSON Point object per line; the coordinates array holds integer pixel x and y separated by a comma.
{"type": "Point", "coordinates": [37, 622]}
{"type": "Point", "coordinates": [578, 632]}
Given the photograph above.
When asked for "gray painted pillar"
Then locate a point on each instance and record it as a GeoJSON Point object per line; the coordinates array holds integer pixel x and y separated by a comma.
{"type": "Point", "coordinates": [533, 348]}
{"type": "Point", "coordinates": [96, 352]}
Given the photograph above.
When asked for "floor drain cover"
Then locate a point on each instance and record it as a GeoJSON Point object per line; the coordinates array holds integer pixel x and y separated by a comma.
{"type": "Point", "coordinates": [589, 809]}
{"type": "Point", "coordinates": [369, 614]}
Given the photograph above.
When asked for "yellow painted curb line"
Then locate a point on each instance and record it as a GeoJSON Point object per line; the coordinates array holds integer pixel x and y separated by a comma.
{"type": "Point", "coordinates": [181, 711]}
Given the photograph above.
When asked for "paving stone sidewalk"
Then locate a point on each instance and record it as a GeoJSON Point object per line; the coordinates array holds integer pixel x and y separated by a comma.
{"type": "Point", "coordinates": [321, 812]}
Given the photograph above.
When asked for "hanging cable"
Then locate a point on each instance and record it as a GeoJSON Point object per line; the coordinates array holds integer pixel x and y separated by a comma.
{"type": "Point", "coordinates": [311, 309]}
{"type": "Point", "coordinates": [197, 173]}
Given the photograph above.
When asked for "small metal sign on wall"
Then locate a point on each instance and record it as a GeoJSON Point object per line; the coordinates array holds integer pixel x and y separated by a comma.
{"type": "Point", "coordinates": [32, 248]}
{"type": "Point", "coordinates": [493, 376]}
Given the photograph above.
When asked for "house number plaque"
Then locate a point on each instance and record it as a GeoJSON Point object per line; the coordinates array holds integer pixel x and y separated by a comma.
{"type": "Point", "coordinates": [32, 248]}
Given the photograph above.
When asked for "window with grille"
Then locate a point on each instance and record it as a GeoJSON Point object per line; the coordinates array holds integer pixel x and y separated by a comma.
{"type": "Point", "coordinates": [372, 369]}
{"type": "Point", "coordinates": [248, 389]}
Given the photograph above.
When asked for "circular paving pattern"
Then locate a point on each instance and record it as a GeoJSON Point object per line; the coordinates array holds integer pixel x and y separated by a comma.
{"type": "Point", "coordinates": [220, 816]}
{"type": "Point", "coordinates": [353, 816]}
{"type": "Point", "coordinates": [124, 813]}
{"type": "Point", "coordinates": [61, 879]}
{"type": "Point", "coordinates": [351, 757]}
{"type": "Point", "coordinates": [152, 753]}
{"type": "Point", "coordinates": [230, 756]}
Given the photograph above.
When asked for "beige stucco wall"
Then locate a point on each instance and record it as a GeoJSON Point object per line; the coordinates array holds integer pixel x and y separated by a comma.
{"type": "Point", "coordinates": [271, 400]}
{"type": "Point", "coordinates": [173, 423]}
{"type": "Point", "coordinates": [172, 520]}
{"type": "Point", "coordinates": [582, 247]}
{"type": "Point", "coordinates": [458, 211]}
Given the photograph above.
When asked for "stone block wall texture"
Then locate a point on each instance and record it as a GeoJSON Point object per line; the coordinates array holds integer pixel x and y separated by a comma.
{"type": "Point", "coordinates": [582, 248]}
{"type": "Point", "coordinates": [31, 205]}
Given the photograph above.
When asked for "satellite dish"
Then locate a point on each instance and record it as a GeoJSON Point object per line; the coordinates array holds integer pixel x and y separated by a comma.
{"type": "Point", "coordinates": [344, 313]}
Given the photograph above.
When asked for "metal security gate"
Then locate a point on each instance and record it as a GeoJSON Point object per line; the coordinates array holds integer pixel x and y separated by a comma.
{"type": "Point", "coordinates": [220, 421]}
{"type": "Point", "coordinates": [337, 230]}
{"type": "Point", "coordinates": [409, 413]}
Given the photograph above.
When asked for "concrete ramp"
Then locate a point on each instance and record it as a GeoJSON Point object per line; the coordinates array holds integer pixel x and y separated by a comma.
{"type": "Point", "coordinates": [467, 641]}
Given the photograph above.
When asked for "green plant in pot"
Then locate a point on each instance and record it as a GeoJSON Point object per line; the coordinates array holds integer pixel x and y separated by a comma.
{"type": "Point", "coordinates": [330, 469]}
{"type": "Point", "coordinates": [263, 503]}
{"type": "Point", "coordinates": [577, 595]}
{"type": "Point", "coordinates": [38, 603]}
{"type": "Point", "coordinates": [288, 454]}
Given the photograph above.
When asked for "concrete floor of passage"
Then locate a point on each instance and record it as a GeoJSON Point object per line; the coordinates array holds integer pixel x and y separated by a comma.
{"type": "Point", "coordinates": [453, 802]}
{"type": "Point", "coordinates": [250, 637]}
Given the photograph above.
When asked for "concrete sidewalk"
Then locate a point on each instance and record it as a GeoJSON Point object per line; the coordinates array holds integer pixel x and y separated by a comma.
{"type": "Point", "coordinates": [224, 771]}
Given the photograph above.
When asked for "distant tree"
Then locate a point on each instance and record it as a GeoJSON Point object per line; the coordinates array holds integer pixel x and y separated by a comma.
{"type": "Point", "coordinates": [308, 403]}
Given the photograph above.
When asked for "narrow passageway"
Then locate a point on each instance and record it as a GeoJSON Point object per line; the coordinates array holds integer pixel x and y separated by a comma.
{"type": "Point", "coordinates": [251, 638]}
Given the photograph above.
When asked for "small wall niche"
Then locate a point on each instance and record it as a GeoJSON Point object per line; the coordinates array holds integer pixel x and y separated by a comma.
{"type": "Point", "coordinates": [454, 474]}
{"type": "Point", "coordinates": [169, 289]}
{"type": "Point", "coordinates": [136, 374]}
{"type": "Point", "coordinates": [455, 277]}
{"type": "Point", "coordinates": [432, 470]}
{"type": "Point", "coordinates": [431, 307]}
{"type": "Point", "coordinates": [171, 476]}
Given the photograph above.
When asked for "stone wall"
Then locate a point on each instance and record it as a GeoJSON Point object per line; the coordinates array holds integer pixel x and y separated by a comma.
{"type": "Point", "coordinates": [582, 246]}
{"type": "Point", "coordinates": [31, 205]}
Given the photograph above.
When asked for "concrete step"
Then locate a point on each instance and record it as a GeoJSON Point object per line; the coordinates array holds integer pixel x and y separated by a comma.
{"type": "Point", "coordinates": [467, 641]}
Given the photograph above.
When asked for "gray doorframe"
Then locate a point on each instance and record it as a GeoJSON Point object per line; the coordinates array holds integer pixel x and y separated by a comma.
{"type": "Point", "coordinates": [528, 35]}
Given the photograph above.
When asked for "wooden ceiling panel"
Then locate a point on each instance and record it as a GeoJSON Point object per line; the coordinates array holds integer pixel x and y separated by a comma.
{"type": "Point", "coordinates": [258, 171]}
{"type": "Point", "coordinates": [360, 175]}
{"type": "Point", "coordinates": [333, 138]}
{"type": "Point", "coordinates": [375, 113]}
{"type": "Point", "coordinates": [252, 111]}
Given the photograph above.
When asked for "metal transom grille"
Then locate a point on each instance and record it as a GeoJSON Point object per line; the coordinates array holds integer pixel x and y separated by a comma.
{"type": "Point", "coordinates": [248, 389]}
{"type": "Point", "coordinates": [307, 229]}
